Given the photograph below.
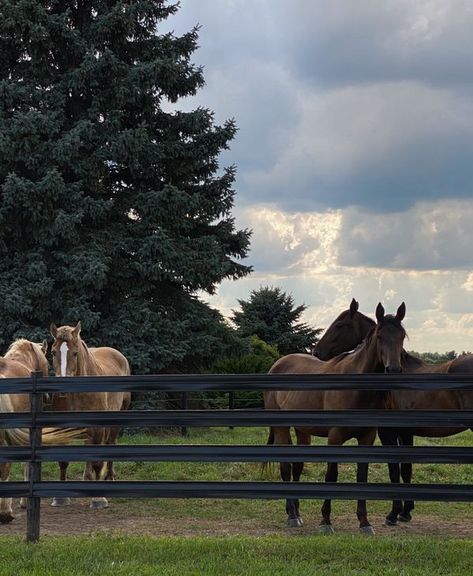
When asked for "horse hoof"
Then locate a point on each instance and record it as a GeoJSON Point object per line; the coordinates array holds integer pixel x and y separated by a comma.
{"type": "Point", "coordinates": [390, 521]}
{"type": "Point", "coordinates": [366, 530]}
{"type": "Point", "coordinates": [99, 504]}
{"type": "Point", "coordinates": [295, 522]}
{"type": "Point", "coordinates": [326, 529]}
{"type": "Point", "coordinates": [58, 502]}
{"type": "Point", "coordinates": [405, 517]}
{"type": "Point", "coordinates": [6, 517]}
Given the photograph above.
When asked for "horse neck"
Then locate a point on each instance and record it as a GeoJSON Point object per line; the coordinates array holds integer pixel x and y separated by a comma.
{"type": "Point", "coordinates": [364, 359]}
{"type": "Point", "coordinates": [86, 364]}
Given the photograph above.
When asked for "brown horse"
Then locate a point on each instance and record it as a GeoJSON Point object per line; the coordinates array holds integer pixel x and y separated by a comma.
{"type": "Point", "coordinates": [345, 333]}
{"type": "Point", "coordinates": [72, 357]}
{"type": "Point", "coordinates": [380, 351]}
{"type": "Point", "coordinates": [409, 400]}
{"type": "Point", "coordinates": [22, 358]}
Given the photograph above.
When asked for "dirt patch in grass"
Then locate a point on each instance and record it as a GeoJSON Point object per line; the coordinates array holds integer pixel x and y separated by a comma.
{"type": "Point", "coordinates": [135, 518]}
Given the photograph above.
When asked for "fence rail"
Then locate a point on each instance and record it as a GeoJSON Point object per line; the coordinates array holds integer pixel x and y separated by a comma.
{"type": "Point", "coordinates": [35, 454]}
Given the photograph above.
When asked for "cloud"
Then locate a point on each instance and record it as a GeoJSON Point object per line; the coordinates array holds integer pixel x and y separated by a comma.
{"type": "Point", "coordinates": [340, 104]}
{"type": "Point", "coordinates": [435, 235]}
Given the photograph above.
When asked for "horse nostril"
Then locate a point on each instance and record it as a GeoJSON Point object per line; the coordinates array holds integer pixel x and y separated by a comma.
{"type": "Point", "coordinates": [392, 369]}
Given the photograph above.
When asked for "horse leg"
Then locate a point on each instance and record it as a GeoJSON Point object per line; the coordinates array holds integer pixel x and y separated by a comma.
{"type": "Point", "coordinates": [389, 437]}
{"type": "Point", "coordinates": [406, 473]}
{"type": "Point", "coordinates": [97, 436]}
{"type": "Point", "coordinates": [61, 500]}
{"type": "Point", "coordinates": [298, 467]}
{"type": "Point", "coordinates": [283, 436]}
{"type": "Point", "coordinates": [111, 440]}
{"type": "Point", "coordinates": [334, 437]}
{"type": "Point", "coordinates": [362, 476]}
{"type": "Point", "coordinates": [6, 510]}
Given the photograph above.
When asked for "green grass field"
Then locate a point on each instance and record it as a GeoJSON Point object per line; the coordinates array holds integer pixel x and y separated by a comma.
{"type": "Point", "coordinates": [242, 536]}
{"type": "Point", "coordinates": [340, 556]}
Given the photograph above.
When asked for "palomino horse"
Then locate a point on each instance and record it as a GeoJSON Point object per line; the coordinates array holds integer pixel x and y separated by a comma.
{"type": "Point", "coordinates": [72, 357]}
{"type": "Point", "coordinates": [380, 351]}
{"type": "Point", "coordinates": [410, 400]}
{"type": "Point", "coordinates": [22, 358]}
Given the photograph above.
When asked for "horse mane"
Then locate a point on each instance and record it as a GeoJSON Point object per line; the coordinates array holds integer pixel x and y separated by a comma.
{"type": "Point", "coordinates": [90, 366]}
{"type": "Point", "coordinates": [19, 349]}
{"type": "Point", "coordinates": [389, 319]}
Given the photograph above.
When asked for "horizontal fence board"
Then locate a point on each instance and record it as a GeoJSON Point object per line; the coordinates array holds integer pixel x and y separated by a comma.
{"type": "Point", "coordinates": [243, 453]}
{"type": "Point", "coordinates": [239, 382]}
{"type": "Point", "coordinates": [204, 418]}
{"type": "Point", "coordinates": [252, 490]}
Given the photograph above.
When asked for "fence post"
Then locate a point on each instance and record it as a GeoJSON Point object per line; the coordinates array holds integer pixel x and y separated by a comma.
{"type": "Point", "coordinates": [34, 503]}
{"type": "Point", "coordinates": [184, 398]}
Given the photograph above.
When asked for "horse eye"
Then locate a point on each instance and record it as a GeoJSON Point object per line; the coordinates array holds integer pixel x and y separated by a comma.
{"type": "Point", "coordinates": [75, 354]}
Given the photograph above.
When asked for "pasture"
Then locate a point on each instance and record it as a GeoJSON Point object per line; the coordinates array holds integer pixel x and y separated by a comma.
{"type": "Point", "coordinates": [199, 537]}
{"type": "Point", "coordinates": [216, 518]}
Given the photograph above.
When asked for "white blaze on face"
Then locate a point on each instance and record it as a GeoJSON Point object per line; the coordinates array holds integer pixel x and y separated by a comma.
{"type": "Point", "coordinates": [63, 351]}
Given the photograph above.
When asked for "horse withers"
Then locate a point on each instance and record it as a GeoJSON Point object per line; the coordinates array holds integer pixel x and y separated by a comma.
{"type": "Point", "coordinates": [380, 352]}
{"type": "Point", "coordinates": [72, 357]}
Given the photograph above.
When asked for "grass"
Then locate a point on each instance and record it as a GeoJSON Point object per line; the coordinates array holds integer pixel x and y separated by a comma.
{"type": "Point", "coordinates": [282, 552]}
{"type": "Point", "coordinates": [347, 556]}
{"type": "Point", "coordinates": [256, 509]}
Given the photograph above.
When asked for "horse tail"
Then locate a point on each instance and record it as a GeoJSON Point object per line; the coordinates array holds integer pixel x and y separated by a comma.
{"type": "Point", "coordinates": [21, 437]}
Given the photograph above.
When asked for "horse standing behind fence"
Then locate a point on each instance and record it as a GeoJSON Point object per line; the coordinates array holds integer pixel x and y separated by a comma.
{"type": "Point", "coordinates": [72, 357]}
{"type": "Point", "coordinates": [381, 351]}
{"type": "Point", "coordinates": [22, 358]}
{"type": "Point", "coordinates": [408, 400]}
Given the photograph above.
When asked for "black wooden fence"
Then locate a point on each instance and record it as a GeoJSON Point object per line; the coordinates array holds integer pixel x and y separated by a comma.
{"type": "Point", "coordinates": [35, 454]}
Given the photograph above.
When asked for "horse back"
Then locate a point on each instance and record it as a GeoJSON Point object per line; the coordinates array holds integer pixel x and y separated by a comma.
{"type": "Point", "coordinates": [110, 361]}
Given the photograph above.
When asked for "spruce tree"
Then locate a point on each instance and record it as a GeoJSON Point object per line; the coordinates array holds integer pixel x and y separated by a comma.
{"type": "Point", "coordinates": [113, 208]}
{"type": "Point", "coordinates": [270, 314]}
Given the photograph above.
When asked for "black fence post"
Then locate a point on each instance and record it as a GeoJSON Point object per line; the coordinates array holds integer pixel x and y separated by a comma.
{"type": "Point", "coordinates": [184, 404]}
{"type": "Point", "coordinates": [33, 512]}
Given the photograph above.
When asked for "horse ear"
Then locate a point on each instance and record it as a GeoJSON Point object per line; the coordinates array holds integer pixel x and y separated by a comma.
{"type": "Point", "coordinates": [353, 307]}
{"type": "Point", "coordinates": [76, 330]}
{"type": "Point", "coordinates": [53, 330]}
{"type": "Point", "coordinates": [379, 312]}
{"type": "Point", "coordinates": [401, 312]}
{"type": "Point", "coordinates": [44, 346]}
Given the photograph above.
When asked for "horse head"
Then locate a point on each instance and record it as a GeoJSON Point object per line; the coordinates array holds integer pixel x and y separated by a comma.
{"type": "Point", "coordinates": [345, 333]}
{"type": "Point", "coordinates": [65, 349]}
{"type": "Point", "coordinates": [390, 334]}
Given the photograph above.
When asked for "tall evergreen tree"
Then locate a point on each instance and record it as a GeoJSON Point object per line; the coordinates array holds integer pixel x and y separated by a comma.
{"type": "Point", "coordinates": [271, 315]}
{"type": "Point", "coordinates": [113, 209]}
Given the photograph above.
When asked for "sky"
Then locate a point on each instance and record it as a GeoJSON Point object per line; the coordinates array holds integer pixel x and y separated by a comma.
{"type": "Point", "coordinates": [354, 153]}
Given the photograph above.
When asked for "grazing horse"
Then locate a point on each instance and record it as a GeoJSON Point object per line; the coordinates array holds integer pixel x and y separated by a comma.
{"type": "Point", "coordinates": [22, 358]}
{"type": "Point", "coordinates": [380, 351]}
{"type": "Point", "coordinates": [410, 400]}
{"type": "Point", "coordinates": [72, 357]}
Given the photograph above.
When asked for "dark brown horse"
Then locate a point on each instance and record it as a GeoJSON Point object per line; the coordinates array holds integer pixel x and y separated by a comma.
{"type": "Point", "coordinates": [345, 333]}
{"type": "Point", "coordinates": [380, 351]}
{"type": "Point", "coordinates": [410, 400]}
{"type": "Point", "coordinates": [72, 357]}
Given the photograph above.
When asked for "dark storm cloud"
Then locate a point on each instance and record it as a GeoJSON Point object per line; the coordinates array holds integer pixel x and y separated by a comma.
{"type": "Point", "coordinates": [340, 103]}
